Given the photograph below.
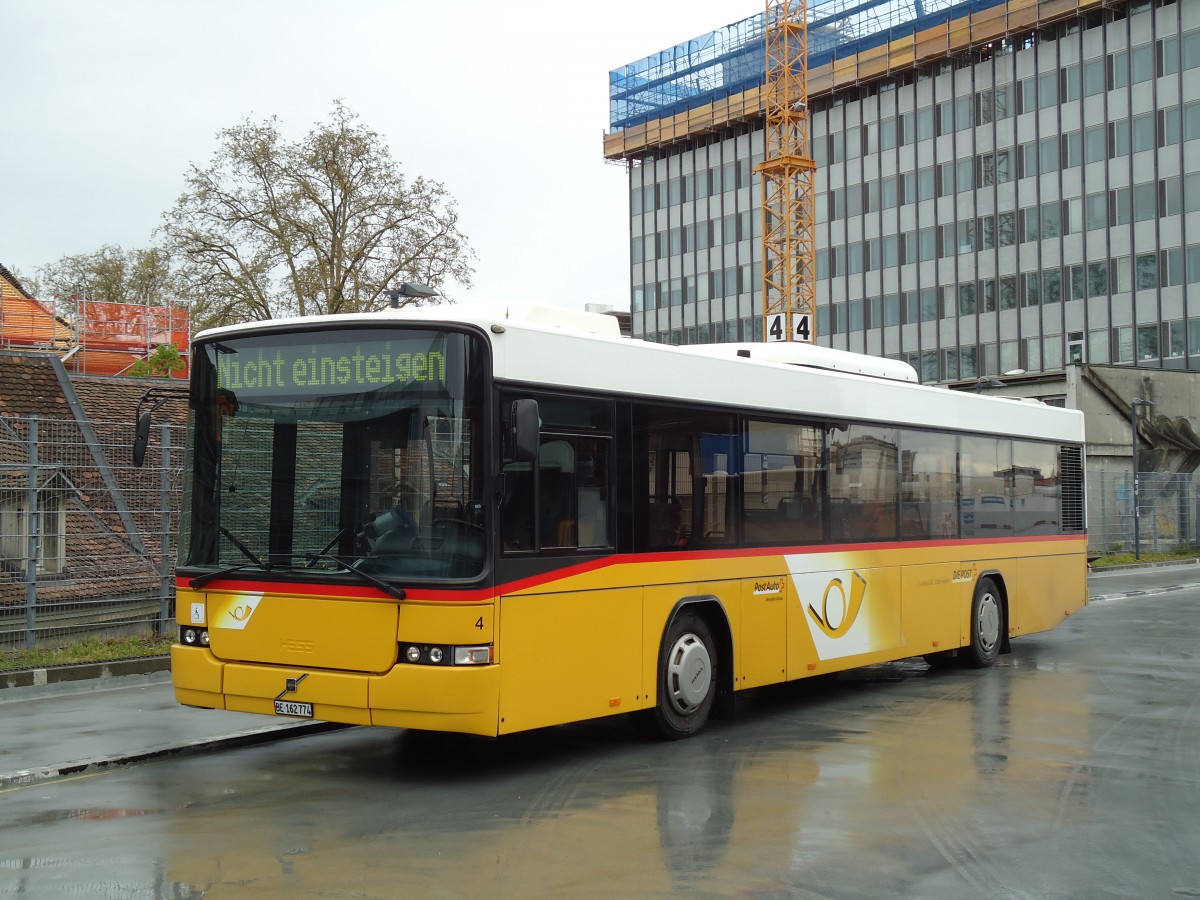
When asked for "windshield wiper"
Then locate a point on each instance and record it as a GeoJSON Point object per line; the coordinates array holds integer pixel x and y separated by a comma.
{"type": "Point", "coordinates": [388, 589]}
{"type": "Point", "coordinates": [201, 580]}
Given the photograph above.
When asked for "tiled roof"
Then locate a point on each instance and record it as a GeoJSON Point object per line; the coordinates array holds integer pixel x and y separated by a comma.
{"type": "Point", "coordinates": [98, 548]}
{"type": "Point", "coordinates": [17, 287]}
{"type": "Point", "coordinates": [28, 386]}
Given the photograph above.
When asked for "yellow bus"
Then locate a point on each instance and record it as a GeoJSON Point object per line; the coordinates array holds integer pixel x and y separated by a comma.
{"type": "Point", "coordinates": [497, 518]}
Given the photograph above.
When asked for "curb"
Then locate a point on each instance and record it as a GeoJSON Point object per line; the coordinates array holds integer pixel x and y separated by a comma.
{"type": "Point", "coordinates": [196, 747]}
{"type": "Point", "coordinates": [116, 668]}
{"type": "Point", "coordinates": [1124, 567]}
{"type": "Point", "coordinates": [1127, 595]}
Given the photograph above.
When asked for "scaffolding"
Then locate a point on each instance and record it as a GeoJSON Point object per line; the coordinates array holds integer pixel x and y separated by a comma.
{"type": "Point", "coordinates": [113, 336]}
{"type": "Point", "coordinates": [718, 78]}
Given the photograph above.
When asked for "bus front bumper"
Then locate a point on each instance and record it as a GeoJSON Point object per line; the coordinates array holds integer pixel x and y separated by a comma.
{"type": "Point", "coordinates": [463, 699]}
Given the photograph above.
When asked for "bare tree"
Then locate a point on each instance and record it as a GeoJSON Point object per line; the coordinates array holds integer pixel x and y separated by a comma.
{"type": "Point", "coordinates": [324, 225]}
{"type": "Point", "coordinates": [111, 275]}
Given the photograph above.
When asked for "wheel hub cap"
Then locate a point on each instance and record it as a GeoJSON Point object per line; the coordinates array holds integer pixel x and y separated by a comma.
{"type": "Point", "coordinates": [689, 673]}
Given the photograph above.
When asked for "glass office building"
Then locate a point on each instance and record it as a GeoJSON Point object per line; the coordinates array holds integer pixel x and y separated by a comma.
{"type": "Point", "coordinates": [1000, 186]}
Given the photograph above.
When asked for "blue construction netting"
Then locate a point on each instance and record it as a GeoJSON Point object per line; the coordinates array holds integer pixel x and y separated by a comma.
{"type": "Point", "coordinates": [732, 59]}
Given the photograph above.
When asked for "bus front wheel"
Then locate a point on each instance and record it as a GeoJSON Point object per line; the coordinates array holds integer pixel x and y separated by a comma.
{"type": "Point", "coordinates": [987, 625]}
{"type": "Point", "coordinates": [687, 680]}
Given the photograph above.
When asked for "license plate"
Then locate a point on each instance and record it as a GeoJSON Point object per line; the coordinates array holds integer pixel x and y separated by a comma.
{"type": "Point", "coordinates": [292, 708]}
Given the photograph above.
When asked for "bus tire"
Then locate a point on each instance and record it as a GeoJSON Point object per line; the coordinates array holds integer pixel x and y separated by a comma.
{"type": "Point", "coordinates": [987, 625]}
{"type": "Point", "coordinates": [687, 680]}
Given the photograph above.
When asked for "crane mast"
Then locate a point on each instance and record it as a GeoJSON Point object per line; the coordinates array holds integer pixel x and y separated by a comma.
{"type": "Point", "coordinates": [788, 180]}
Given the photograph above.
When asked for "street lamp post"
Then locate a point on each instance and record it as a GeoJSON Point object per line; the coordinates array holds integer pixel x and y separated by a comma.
{"type": "Point", "coordinates": [409, 289]}
{"type": "Point", "coordinates": [1137, 511]}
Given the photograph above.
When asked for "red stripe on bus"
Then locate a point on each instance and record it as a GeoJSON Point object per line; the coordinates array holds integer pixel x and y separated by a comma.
{"type": "Point", "coordinates": [476, 595]}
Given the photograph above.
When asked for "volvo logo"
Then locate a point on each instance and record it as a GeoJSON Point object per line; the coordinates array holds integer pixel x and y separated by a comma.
{"type": "Point", "coordinates": [290, 686]}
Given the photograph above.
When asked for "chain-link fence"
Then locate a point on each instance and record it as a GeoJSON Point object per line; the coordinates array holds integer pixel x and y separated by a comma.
{"type": "Point", "coordinates": [1169, 507]}
{"type": "Point", "coordinates": [86, 539]}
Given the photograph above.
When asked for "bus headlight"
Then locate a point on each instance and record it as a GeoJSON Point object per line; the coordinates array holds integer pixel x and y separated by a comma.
{"type": "Point", "coordinates": [443, 655]}
{"type": "Point", "coordinates": [193, 637]}
{"type": "Point", "coordinates": [473, 656]}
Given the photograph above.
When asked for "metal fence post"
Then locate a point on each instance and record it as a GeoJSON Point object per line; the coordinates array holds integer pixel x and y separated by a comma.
{"type": "Point", "coordinates": [164, 533]}
{"type": "Point", "coordinates": [31, 537]}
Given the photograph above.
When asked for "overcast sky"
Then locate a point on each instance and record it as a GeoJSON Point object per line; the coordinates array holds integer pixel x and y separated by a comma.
{"type": "Point", "coordinates": [107, 103]}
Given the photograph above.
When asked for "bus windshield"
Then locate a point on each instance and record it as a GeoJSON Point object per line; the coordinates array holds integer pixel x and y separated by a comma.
{"type": "Point", "coordinates": [354, 451]}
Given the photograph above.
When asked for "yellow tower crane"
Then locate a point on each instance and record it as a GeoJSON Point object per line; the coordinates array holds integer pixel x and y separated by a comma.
{"type": "Point", "coordinates": [788, 172]}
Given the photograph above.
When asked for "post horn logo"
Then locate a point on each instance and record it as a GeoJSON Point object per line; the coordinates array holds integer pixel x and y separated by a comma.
{"type": "Point", "coordinates": [838, 621]}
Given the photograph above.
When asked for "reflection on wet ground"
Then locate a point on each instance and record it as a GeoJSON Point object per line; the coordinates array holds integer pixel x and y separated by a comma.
{"type": "Point", "coordinates": [1069, 770]}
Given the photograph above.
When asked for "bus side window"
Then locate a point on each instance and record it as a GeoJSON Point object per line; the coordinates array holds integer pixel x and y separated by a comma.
{"type": "Point", "coordinates": [691, 481]}
{"type": "Point", "coordinates": [516, 510]}
{"type": "Point", "coordinates": [556, 494]}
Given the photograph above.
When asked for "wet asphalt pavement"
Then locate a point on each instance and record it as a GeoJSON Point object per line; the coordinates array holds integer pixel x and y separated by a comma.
{"type": "Point", "coordinates": [1071, 769]}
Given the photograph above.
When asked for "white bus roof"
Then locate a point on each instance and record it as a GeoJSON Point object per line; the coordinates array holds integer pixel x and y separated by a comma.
{"type": "Point", "coordinates": [552, 347]}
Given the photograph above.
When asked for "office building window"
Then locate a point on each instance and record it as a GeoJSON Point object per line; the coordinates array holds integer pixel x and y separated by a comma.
{"type": "Point", "coordinates": [1191, 49]}
{"type": "Point", "coordinates": [1172, 339]}
{"type": "Point", "coordinates": [1147, 342]}
{"type": "Point", "coordinates": [1097, 279]}
{"type": "Point", "coordinates": [1026, 95]}
{"type": "Point", "coordinates": [1033, 354]}
{"type": "Point", "coordinates": [1169, 127]}
{"type": "Point", "coordinates": [984, 106]}
{"type": "Point", "coordinates": [1052, 352]}
{"type": "Point", "coordinates": [891, 310]}
{"type": "Point", "coordinates": [929, 305]}
{"type": "Point", "coordinates": [1069, 82]}
{"type": "Point", "coordinates": [1030, 220]}
{"type": "Point", "coordinates": [1170, 196]}
{"type": "Point", "coordinates": [1048, 90]}
{"type": "Point", "coordinates": [1145, 135]}
{"type": "Point", "coordinates": [1142, 63]}
{"type": "Point", "coordinates": [1191, 121]}
{"type": "Point", "coordinates": [1170, 267]}
{"type": "Point", "coordinates": [1051, 219]}
{"type": "Point", "coordinates": [1072, 149]}
{"type": "Point", "coordinates": [1146, 271]}
{"type": "Point", "coordinates": [1118, 139]}
{"type": "Point", "coordinates": [1093, 77]}
{"type": "Point", "coordinates": [1095, 144]}
{"type": "Point", "coordinates": [1003, 102]}
{"type": "Point", "coordinates": [1008, 295]}
{"type": "Point", "coordinates": [1119, 211]}
{"type": "Point", "coordinates": [1122, 280]}
{"type": "Point", "coordinates": [1098, 346]}
{"type": "Point", "coordinates": [1031, 289]}
{"type": "Point", "coordinates": [1144, 201]}
{"type": "Point", "coordinates": [927, 181]}
{"type": "Point", "coordinates": [1006, 228]}
{"type": "Point", "coordinates": [1122, 344]}
{"type": "Point", "coordinates": [1075, 282]}
{"type": "Point", "coordinates": [987, 294]}
{"type": "Point", "coordinates": [924, 123]}
{"type": "Point", "coordinates": [1051, 286]}
{"type": "Point", "coordinates": [1118, 70]}
{"type": "Point", "coordinates": [1075, 347]}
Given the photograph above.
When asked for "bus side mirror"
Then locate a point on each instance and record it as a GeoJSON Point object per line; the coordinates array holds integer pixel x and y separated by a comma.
{"type": "Point", "coordinates": [141, 438]}
{"type": "Point", "coordinates": [526, 429]}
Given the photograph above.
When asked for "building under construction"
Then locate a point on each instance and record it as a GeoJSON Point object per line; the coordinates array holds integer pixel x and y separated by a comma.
{"type": "Point", "coordinates": [999, 186]}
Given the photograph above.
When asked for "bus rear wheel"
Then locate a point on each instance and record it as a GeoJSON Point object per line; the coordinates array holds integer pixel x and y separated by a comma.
{"type": "Point", "coordinates": [687, 680]}
{"type": "Point", "coordinates": [987, 625]}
